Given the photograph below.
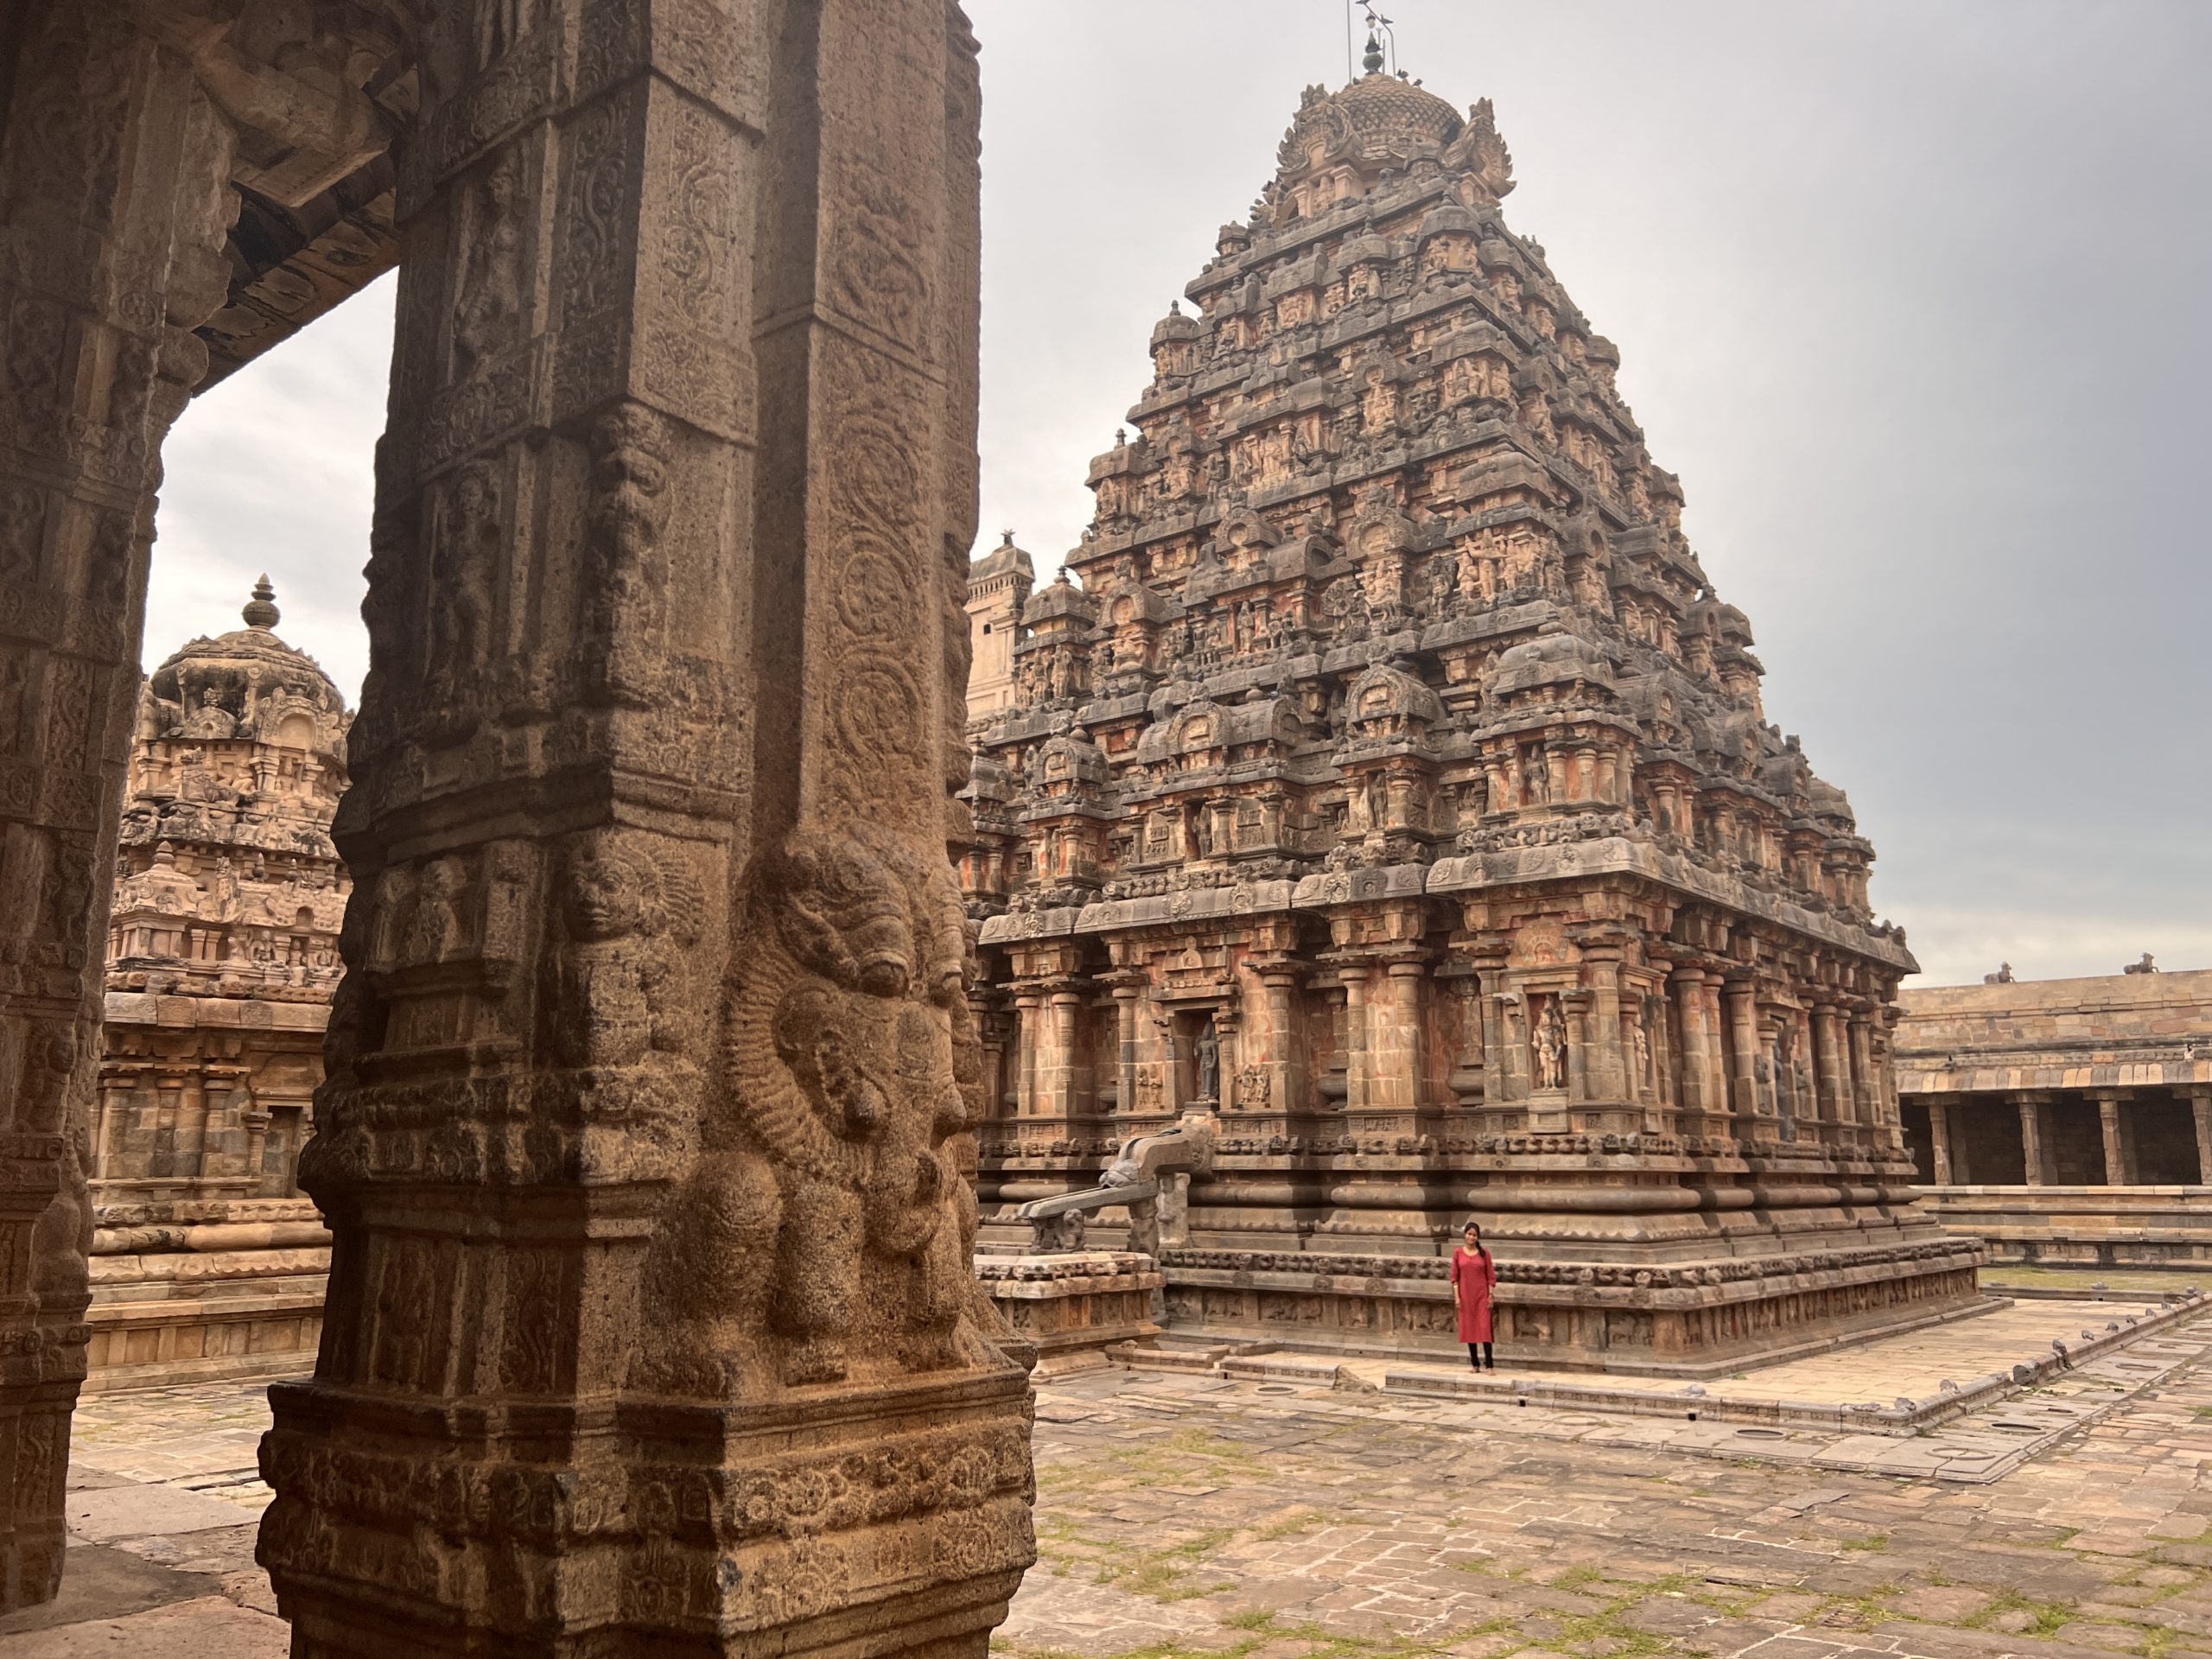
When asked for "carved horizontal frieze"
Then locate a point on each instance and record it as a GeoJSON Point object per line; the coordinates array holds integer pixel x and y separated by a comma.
{"type": "Point", "coordinates": [1620, 856]}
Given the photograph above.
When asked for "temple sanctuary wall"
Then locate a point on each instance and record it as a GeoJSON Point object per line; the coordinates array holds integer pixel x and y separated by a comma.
{"type": "Point", "coordinates": [2066, 1121]}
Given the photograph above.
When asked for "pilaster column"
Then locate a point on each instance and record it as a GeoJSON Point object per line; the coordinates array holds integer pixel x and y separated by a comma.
{"type": "Point", "coordinates": [114, 1086]}
{"type": "Point", "coordinates": [1576, 1006]}
{"type": "Point", "coordinates": [652, 1327]}
{"type": "Point", "coordinates": [1358, 1087]}
{"type": "Point", "coordinates": [168, 1116]}
{"type": "Point", "coordinates": [1063, 1083]}
{"type": "Point", "coordinates": [2120, 1141]}
{"type": "Point", "coordinates": [1744, 1049]}
{"type": "Point", "coordinates": [1505, 1037]}
{"type": "Point", "coordinates": [1832, 1073]}
{"type": "Point", "coordinates": [1128, 990]}
{"type": "Point", "coordinates": [2199, 1107]}
{"type": "Point", "coordinates": [1606, 1070]}
{"type": "Point", "coordinates": [1866, 1109]}
{"type": "Point", "coordinates": [1278, 1054]}
{"type": "Point", "coordinates": [1469, 1079]}
{"type": "Point", "coordinates": [2033, 1154]}
{"type": "Point", "coordinates": [1939, 1138]}
{"type": "Point", "coordinates": [1228, 1053]}
{"type": "Point", "coordinates": [255, 1125]}
{"type": "Point", "coordinates": [1029, 1021]}
{"type": "Point", "coordinates": [193, 1110]}
{"type": "Point", "coordinates": [1716, 1080]}
{"type": "Point", "coordinates": [1693, 1061]}
{"type": "Point", "coordinates": [1394, 1042]}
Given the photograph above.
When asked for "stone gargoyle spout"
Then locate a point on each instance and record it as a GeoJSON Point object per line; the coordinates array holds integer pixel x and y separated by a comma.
{"type": "Point", "coordinates": [1147, 1168]}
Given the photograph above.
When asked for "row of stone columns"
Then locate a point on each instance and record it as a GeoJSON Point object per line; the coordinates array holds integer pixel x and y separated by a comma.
{"type": "Point", "coordinates": [1711, 1068]}
{"type": "Point", "coordinates": [2116, 1132]}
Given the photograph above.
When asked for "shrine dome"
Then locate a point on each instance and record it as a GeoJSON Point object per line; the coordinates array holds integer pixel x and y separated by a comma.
{"type": "Point", "coordinates": [248, 683]}
{"type": "Point", "coordinates": [1380, 107]}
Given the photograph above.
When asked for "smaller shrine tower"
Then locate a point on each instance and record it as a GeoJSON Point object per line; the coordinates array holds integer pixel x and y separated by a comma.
{"type": "Point", "coordinates": [998, 589]}
{"type": "Point", "coordinates": [222, 957]}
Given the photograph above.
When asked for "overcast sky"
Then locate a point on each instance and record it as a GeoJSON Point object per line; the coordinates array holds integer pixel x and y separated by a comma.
{"type": "Point", "coordinates": [1913, 297]}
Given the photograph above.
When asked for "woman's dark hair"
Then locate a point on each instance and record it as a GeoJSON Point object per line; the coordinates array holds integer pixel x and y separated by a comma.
{"type": "Point", "coordinates": [1476, 1228]}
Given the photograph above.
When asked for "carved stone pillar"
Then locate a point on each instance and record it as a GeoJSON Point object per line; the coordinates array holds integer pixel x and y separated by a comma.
{"type": "Point", "coordinates": [2199, 1107]}
{"type": "Point", "coordinates": [2120, 1141]}
{"type": "Point", "coordinates": [1939, 1141]}
{"type": "Point", "coordinates": [114, 205]}
{"type": "Point", "coordinates": [2034, 1156]}
{"type": "Point", "coordinates": [651, 1328]}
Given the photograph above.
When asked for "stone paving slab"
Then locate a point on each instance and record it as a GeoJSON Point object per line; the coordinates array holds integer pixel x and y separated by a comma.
{"type": "Point", "coordinates": [141, 1511]}
{"type": "Point", "coordinates": [1257, 1518]}
{"type": "Point", "coordinates": [210, 1628]}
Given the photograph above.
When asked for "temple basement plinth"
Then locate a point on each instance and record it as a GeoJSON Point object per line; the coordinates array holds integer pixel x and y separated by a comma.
{"type": "Point", "coordinates": [1394, 788]}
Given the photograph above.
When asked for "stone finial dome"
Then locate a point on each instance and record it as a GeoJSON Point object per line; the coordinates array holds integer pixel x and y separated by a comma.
{"type": "Point", "coordinates": [261, 611]}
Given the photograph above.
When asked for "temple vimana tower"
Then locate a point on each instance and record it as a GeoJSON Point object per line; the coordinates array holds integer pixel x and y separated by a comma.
{"type": "Point", "coordinates": [1396, 788]}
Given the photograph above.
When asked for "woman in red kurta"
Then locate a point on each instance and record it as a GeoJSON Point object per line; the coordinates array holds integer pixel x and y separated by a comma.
{"type": "Point", "coordinates": [1473, 1275]}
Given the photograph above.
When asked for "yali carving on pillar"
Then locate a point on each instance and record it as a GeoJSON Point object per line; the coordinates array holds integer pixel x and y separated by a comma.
{"type": "Point", "coordinates": [825, 1232]}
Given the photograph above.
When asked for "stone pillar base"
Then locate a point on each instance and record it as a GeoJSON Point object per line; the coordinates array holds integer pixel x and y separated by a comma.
{"type": "Point", "coordinates": [830, 1522]}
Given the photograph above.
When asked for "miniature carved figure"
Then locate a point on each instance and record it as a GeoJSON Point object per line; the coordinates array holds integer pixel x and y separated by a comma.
{"type": "Point", "coordinates": [210, 720]}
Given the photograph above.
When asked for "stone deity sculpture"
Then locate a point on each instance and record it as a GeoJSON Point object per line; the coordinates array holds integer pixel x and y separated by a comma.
{"type": "Point", "coordinates": [1551, 1046]}
{"type": "Point", "coordinates": [1209, 1057]}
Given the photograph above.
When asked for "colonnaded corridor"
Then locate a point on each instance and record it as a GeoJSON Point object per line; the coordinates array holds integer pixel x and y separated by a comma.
{"type": "Point", "coordinates": [1292, 1510]}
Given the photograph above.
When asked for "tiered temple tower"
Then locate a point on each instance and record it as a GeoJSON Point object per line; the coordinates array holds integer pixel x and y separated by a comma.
{"type": "Point", "coordinates": [1395, 787]}
{"type": "Point", "coordinates": [222, 957]}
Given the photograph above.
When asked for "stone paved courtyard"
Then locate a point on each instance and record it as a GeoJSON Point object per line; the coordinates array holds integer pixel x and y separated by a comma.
{"type": "Point", "coordinates": [1192, 1514]}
